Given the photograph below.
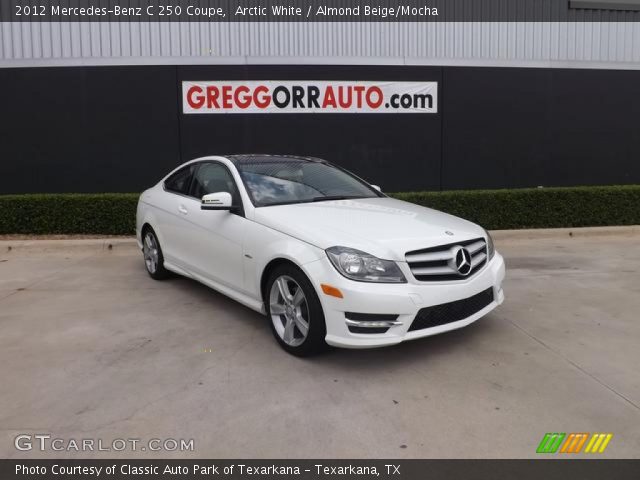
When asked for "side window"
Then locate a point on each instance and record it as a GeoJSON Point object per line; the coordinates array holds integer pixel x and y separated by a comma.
{"type": "Point", "coordinates": [179, 182]}
{"type": "Point", "coordinates": [212, 178]}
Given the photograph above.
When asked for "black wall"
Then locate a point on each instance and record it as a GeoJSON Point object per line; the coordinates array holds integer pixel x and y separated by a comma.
{"type": "Point", "coordinates": [119, 129]}
{"type": "Point", "coordinates": [530, 127]}
{"type": "Point", "coordinates": [86, 129]}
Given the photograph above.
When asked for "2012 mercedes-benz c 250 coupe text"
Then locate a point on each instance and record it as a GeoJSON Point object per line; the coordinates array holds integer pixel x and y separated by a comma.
{"type": "Point", "coordinates": [326, 256]}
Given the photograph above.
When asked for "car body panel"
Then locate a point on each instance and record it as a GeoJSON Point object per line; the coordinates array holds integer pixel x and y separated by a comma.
{"type": "Point", "coordinates": [262, 245]}
{"type": "Point", "coordinates": [384, 227]}
{"type": "Point", "coordinates": [404, 300]}
{"type": "Point", "coordinates": [212, 242]}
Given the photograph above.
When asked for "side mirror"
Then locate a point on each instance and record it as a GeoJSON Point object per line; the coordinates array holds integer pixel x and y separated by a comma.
{"type": "Point", "coordinates": [217, 201]}
{"type": "Point", "coordinates": [377, 188]}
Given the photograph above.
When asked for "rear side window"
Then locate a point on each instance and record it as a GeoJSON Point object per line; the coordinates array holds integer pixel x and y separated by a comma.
{"type": "Point", "coordinates": [180, 181]}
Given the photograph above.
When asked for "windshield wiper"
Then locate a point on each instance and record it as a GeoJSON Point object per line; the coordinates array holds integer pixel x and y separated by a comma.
{"type": "Point", "coordinates": [335, 197]}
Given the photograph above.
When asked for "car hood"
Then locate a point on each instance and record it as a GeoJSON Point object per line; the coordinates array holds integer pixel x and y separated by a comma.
{"type": "Point", "coordinates": [384, 227]}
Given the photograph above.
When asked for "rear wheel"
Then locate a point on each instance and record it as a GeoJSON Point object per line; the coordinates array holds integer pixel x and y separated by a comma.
{"type": "Point", "coordinates": [152, 253]}
{"type": "Point", "coordinates": [297, 319]}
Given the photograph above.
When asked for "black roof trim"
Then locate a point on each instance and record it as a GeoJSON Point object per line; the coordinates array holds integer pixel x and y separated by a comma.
{"type": "Point", "coordinates": [258, 157]}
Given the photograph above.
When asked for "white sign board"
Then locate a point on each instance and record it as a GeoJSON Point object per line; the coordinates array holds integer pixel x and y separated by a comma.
{"type": "Point", "coordinates": [308, 96]}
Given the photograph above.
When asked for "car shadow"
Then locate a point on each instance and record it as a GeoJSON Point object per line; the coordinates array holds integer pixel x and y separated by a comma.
{"type": "Point", "coordinates": [216, 299]}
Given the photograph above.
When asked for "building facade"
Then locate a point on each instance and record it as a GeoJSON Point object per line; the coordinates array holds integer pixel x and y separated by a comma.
{"type": "Point", "coordinates": [99, 106]}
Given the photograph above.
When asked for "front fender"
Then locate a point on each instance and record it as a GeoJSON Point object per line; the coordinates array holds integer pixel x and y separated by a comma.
{"type": "Point", "coordinates": [263, 245]}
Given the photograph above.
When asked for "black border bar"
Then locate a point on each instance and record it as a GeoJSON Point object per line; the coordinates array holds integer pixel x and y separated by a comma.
{"type": "Point", "coordinates": [551, 469]}
{"type": "Point", "coordinates": [320, 10]}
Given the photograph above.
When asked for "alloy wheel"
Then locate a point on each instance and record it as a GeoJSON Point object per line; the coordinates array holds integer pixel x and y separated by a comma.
{"type": "Point", "coordinates": [289, 310]}
{"type": "Point", "coordinates": [150, 252]}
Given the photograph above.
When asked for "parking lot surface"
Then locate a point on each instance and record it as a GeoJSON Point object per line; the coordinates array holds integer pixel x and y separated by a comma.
{"type": "Point", "coordinates": [91, 347]}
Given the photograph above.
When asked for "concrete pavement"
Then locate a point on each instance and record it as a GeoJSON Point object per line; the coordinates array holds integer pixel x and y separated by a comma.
{"type": "Point", "coordinates": [91, 347]}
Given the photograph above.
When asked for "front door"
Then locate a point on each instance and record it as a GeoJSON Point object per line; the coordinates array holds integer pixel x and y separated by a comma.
{"type": "Point", "coordinates": [216, 236]}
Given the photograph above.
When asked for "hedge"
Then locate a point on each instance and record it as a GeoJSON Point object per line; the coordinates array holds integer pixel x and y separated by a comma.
{"type": "Point", "coordinates": [68, 213]}
{"type": "Point", "coordinates": [114, 213]}
{"type": "Point", "coordinates": [538, 207]}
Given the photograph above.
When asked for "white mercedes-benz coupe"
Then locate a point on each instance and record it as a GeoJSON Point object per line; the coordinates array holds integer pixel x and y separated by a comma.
{"type": "Point", "coordinates": [327, 257]}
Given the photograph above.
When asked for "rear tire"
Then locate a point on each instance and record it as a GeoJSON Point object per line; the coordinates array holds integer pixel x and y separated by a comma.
{"type": "Point", "coordinates": [152, 253]}
{"type": "Point", "coordinates": [295, 313]}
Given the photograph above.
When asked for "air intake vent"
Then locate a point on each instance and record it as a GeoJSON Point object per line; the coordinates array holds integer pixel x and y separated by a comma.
{"type": "Point", "coordinates": [454, 261]}
{"type": "Point", "coordinates": [451, 312]}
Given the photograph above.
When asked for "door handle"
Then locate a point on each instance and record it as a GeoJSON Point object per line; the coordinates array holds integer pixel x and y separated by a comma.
{"type": "Point", "coordinates": [183, 210]}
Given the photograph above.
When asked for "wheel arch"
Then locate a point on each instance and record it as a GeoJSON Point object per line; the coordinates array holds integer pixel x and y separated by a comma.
{"type": "Point", "coordinates": [270, 267]}
{"type": "Point", "coordinates": [146, 222]}
{"type": "Point", "coordinates": [146, 226]}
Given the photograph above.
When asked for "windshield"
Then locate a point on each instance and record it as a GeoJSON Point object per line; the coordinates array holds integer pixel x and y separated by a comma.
{"type": "Point", "coordinates": [283, 181]}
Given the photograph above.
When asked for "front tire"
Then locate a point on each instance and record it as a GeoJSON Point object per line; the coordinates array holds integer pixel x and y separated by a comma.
{"type": "Point", "coordinates": [297, 319]}
{"type": "Point", "coordinates": [152, 253]}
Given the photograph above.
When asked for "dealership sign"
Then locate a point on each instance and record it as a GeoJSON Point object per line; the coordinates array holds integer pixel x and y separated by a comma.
{"type": "Point", "coordinates": [308, 96]}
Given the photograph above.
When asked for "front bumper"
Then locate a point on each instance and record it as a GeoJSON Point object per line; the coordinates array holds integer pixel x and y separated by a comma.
{"type": "Point", "coordinates": [403, 300]}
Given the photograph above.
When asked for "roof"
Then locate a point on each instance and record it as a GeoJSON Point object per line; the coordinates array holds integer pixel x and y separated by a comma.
{"type": "Point", "coordinates": [268, 158]}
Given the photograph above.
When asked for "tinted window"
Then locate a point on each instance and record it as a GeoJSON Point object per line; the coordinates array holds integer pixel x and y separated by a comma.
{"type": "Point", "coordinates": [281, 181]}
{"type": "Point", "coordinates": [213, 178]}
{"type": "Point", "coordinates": [179, 182]}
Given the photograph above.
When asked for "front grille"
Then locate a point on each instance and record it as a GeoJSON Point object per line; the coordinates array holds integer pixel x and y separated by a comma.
{"type": "Point", "coordinates": [451, 312]}
{"type": "Point", "coordinates": [439, 263]}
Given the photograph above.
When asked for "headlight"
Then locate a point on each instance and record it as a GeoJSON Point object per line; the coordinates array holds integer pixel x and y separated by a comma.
{"type": "Point", "coordinates": [491, 249]}
{"type": "Point", "coordinates": [363, 267]}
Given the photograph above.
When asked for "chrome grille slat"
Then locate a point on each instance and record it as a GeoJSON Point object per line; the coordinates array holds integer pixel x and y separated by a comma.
{"type": "Point", "coordinates": [478, 259]}
{"type": "Point", "coordinates": [434, 271]}
{"type": "Point", "coordinates": [476, 247]}
{"type": "Point", "coordinates": [428, 257]}
{"type": "Point", "coordinates": [438, 263]}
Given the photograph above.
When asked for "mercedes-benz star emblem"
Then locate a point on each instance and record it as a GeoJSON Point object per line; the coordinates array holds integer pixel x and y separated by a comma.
{"type": "Point", "coordinates": [463, 261]}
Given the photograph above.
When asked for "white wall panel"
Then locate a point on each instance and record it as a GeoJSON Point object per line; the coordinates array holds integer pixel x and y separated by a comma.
{"type": "Point", "coordinates": [597, 45]}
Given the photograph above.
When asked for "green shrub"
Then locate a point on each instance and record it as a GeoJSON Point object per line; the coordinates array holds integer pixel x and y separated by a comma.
{"type": "Point", "coordinates": [114, 213]}
{"type": "Point", "coordinates": [537, 207]}
{"type": "Point", "coordinates": [75, 213]}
